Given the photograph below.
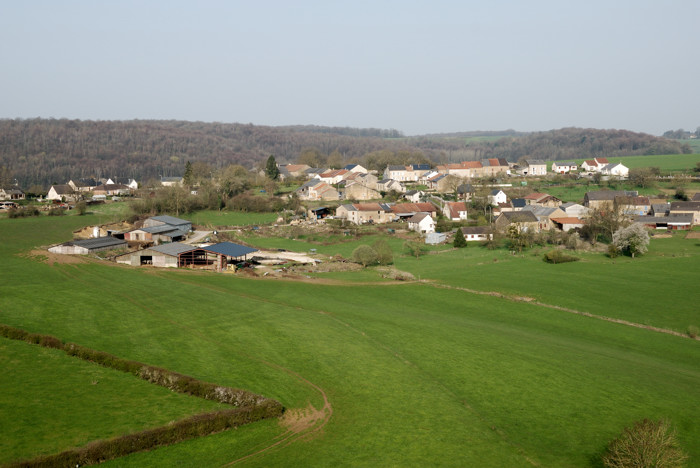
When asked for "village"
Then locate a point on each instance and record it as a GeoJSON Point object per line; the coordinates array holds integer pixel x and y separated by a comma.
{"type": "Point", "coordinates": [485, 199]}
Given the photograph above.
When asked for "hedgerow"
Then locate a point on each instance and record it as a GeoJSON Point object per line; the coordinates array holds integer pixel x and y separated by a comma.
{"type": "Point", "coordinates": [250, 406]}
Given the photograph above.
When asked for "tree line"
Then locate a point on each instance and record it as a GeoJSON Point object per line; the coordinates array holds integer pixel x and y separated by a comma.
{"type": "Point", "coordinates": [49, 151]}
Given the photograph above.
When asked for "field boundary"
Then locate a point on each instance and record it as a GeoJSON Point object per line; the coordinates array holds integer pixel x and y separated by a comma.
{"type": "Point", "coordinates": [249, 407]}
{"type": "Point", "coordinates": [531, 300]}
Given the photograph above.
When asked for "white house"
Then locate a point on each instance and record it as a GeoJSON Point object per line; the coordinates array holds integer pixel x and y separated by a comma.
{"type": "Point", "coordinates": [422, 223]}
{"type": "Point", "coordinates": [477, 233]}
{"type": "Point", "coordinates": [616, 170]}
{"type": "Point", "coordinates": [595, 164]}
{"type": "Point", "coordinates": [564, 167]}
{"type": "Point", "coordinates": [356, 168]}
{"type": "Point", "coordinates": [455, 211]}
{"type": "Point", "coordinates": [61, 192]}
{"type": "Point", "coordinates": [535, 167]}
{"type": "Point", "coordinates": [497, 196]}
{"type": "Point", "coordinates": [414, 196]}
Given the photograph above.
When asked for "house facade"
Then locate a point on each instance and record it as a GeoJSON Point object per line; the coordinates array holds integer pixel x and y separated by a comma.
{"type": "Point", "coordinates": [422, 223]}
{"type": "Point", "coordinates": [564, 167]}
{"type": "Point", "coordinates": [365, 213]}
{"type": "Point", "coordinates": [477, 233]}
{"type": "Point", "coordinates": [61, 192]}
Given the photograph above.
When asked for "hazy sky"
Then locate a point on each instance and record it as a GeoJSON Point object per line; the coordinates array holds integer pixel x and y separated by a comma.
{"type": "Point", "coordinates": [420, 67]}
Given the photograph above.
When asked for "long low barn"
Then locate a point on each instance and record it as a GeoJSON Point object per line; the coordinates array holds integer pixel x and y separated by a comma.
{"type": "Point", "coordinates": [86, 246]}
{"type": "Point", "coordinates": [177, 255]}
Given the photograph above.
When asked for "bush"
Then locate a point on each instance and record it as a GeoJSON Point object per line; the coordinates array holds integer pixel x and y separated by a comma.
{"type": "Point", "coordinates": [57, 211]}
{"type": "Point", "coordinates": [646, 444]}
{"type": "Point", "coordinates": [693, 331]}
{"type": "Point", "coordinates": [365, 255]}
{"type": "Point", "coordinates": [557, 256]}
{"type": "Point", "coordinates": [23, 212]}
{"type": "Point", "coordinates": [414, 248]}
{"type": "Point", "coordinates": [81, 207]}
{"type": "Point", "coordinates": [385, 256]}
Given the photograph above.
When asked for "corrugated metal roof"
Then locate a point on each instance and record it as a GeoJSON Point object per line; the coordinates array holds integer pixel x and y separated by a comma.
{"type": "Point", "coordinates": [171, 220]}
{"type": "Point", "coordinates": [230, 249]}
{"type": "Point", "coordinates": [97, 243]}
{"type": "Point", "coordinates": [173, 249]}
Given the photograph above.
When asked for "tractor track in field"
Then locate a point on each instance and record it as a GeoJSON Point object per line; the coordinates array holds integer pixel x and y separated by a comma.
{"type": "Point", "coordinates": [530, 300]}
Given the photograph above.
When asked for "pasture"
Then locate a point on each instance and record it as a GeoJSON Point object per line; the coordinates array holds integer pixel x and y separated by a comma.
{"type": "Point", "coordinates": [401, 374]}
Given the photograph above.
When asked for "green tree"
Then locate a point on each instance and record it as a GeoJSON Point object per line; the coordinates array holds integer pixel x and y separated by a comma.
{"type": "Point", "coordinates": [271, 169]}
{"type": "Point", "coordinates": [414, 248]}
{"type": "Point", "coordinates": [365, 255]}
{"type": "Point", "coordinates": [519, 236]}
{"type": "Point", "coordinates": [459, 240]}
{"type": "Point", "coordinates": [385, 256]}
{"type": "Point", "coordinates": [633, 239]}
{"type": "Point", "coordinates": [81, 207]}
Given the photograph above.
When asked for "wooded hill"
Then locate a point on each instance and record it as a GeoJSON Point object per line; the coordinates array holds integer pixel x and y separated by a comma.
{"type": "Point", "coordinates": [46, 151]}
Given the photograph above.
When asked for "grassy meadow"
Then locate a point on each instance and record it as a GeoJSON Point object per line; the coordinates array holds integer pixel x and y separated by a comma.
{"type": "Point", "coordinates": [415, 374]}
{"type": "Point", "coordinates": [55, 401]}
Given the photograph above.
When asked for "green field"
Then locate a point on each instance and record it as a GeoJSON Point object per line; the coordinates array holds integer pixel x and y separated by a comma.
{"type": "Point", "coordinates": [665, 162]}
{"type": "Point", "coordinates": [212, 218]}
{"type": "Point", "coordinates": [55, 401]}
{"type": "Point", "coordinates": [415, 374]}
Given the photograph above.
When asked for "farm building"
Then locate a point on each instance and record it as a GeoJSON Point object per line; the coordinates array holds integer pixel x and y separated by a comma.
{"type": "Point", "coordinates": [166, 255]}
{"type": "Point", "coordinates": [181, 224]}
{"type": "Point", "coordinates": [434, 238]}
{"type": "Point", "coordinates": [86, 246]}
{"type": "Point", "coordinates": [215, 257]}
{"type": "Point", "coordinates": [567, 223]}
{"type": "Point", "coordinates": [157, 234]}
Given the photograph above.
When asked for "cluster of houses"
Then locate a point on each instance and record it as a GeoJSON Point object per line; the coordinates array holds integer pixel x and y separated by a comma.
{"type": "Point", "coordinates": [354, 182]}
{"type": "Point", "coordinates": [535, 212]}
{"type": "Point", "coordinates": [99, 188]}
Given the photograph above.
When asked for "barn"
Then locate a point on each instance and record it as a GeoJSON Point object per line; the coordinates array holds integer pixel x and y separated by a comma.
{"type": "Point", "coordinates": [86, 246]}
{"type": "Point", "coordinates": [165, 255]}
{"type": "Point", "coordinates": [216, 257]}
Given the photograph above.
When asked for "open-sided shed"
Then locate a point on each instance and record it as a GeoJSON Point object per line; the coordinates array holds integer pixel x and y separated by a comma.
{"type": "Point", "coordinates": [216, 256]}
{"type": "Point", "coordinates": [165, 255]}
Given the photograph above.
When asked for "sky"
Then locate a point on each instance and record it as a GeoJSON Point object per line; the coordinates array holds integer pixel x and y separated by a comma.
{"type": "Point", "coordinates": [416, 66]}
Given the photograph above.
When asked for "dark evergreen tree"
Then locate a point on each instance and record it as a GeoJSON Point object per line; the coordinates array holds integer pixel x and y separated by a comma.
{"type": "Point", "coordinates": [459, 240]}
{"type": "Point", "coordinates": [187, 177]}
{"type": "Point", "coordinates": [271, 169]}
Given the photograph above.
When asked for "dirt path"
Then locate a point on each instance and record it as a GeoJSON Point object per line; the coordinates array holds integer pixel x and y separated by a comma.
{"type": "Point", "coordinates": [531, 300]}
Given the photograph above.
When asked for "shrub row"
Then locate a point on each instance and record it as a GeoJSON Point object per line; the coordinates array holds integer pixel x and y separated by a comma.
{"type": "Point", "coordinates": [251, 407]}
{"type": "Point", "coordinates": [557, 256]}
{"type": "Point", "coordinates": [189, 428]}
{"type": "Point", "coordinates": [172, 380]}
{"type": "Point", "coordinates": [24, 212]}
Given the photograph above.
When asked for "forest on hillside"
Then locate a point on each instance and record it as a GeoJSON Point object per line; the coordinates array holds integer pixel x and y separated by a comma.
{"type": "Point", "coordinates": [47, 151]}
